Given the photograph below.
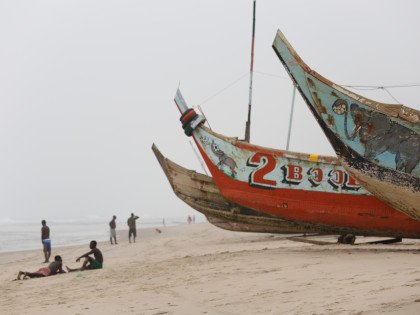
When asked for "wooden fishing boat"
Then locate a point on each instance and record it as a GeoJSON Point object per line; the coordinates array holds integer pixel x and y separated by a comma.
{"type": "Point", "coordinates": [304, 188]}
{"type": "Point", "coordinates": [200, 192]}
{"type": "Point", "coordinates": [378, 144]}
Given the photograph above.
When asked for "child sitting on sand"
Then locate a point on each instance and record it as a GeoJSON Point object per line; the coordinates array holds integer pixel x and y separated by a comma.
{"type": "Point", "coordinates": [55, 267]}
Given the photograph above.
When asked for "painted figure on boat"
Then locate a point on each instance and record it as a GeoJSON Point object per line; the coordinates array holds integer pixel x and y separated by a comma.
{"type": "Point", "coordinates": [224, 159]}
{"type": "Point", "coordinates": [379, 134]}
{"type": "Point", "coordinates": [377, 143]}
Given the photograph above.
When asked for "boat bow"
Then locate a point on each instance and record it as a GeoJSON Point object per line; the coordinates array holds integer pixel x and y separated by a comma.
{"type": "Point", "coordinates": [379, 144]}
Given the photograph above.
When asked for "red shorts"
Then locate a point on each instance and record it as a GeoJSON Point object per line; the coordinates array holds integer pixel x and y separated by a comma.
{"type": "Point", "coordinates": [45, 271]}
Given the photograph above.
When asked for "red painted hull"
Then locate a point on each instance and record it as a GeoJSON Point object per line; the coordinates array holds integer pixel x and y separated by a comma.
{"type": "Point", "coordinates": [361, 212]}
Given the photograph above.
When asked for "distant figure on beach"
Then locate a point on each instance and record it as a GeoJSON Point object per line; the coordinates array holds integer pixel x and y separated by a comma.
{"type": "Point", "coordinates": [112, 232]}
{"type": "Point", "coordinates": [45, 239]}
{"type": "Point", "coordinates": [55, 267]}
{"type": "Point", "coordinates": [189, 219]}
{"type": "Point", "coordinates": [131, 222]}
{"type": "Point", "coordinates": [163, 222]}
{"type": "Point", "coordinates": [90, 263]}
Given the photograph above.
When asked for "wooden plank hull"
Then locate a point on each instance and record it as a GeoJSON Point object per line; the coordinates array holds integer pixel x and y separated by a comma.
{"type": "Point", "coordinates": [378, 144]}
{"type": "Point", "coordinates": [239, 222]}
{"type": "Point", "coordinates": [201, 193]}
{"type": "Point", "coordinates": [304, 188]}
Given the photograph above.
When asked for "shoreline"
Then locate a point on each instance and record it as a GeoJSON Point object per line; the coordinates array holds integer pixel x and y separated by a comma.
{"type": "Point", "coordinates": [17, 238]}
{"type": "Point", "coordinates": [148, 231]}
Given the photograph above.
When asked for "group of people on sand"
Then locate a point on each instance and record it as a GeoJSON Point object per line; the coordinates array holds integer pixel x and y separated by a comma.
{"type": "Point", "coordinates": [91, 262]}
{"type": "Point", "coordinates": [93, 259]}
{"type": "Point", "coordinates": [132, 229]}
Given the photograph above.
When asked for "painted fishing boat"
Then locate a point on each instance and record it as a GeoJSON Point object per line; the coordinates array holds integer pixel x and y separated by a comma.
{"type": "Point", "coordinates": [378, 144]}
{"type": "Point", "coordinates": [201, 193]}
{"type": "Point", "coordinates": [303, 188]}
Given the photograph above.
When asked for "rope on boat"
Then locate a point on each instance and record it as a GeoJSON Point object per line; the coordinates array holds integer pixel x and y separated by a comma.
{"type": "Point", "coordinates": [356, 87]}
{"type": "Point", "coordinates": [384, 88]}
{"type": "Point", "coordinates": [272, 75]}
{"type": "Point", "coordinates": [375, 87]}
{"type": "Point", "coordinates": [225, 88]}
{"type": "Point", "coordinates": [389, 93]}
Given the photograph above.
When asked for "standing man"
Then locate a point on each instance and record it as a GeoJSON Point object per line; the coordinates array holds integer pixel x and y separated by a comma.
{"type": "Point", "coordinates": [131, 222]}
{"type": "Point", "coordinates": [45, 239]}
{"type": "Point", "coordinates": [112, 227]}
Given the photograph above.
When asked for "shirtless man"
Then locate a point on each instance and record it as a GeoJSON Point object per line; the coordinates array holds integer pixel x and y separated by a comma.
{"type": "Point", "coordinates": [90, 263]}
{"type": "Point", "coordinates": [131, 222]}
{"type": "Point", "coordinates": [55, 267]}
{"type": "Point", "coordinates": [45, 239]}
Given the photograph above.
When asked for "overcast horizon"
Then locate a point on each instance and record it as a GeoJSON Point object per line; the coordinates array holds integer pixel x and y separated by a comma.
{"type": "Point", "coordinates": [86, 87]}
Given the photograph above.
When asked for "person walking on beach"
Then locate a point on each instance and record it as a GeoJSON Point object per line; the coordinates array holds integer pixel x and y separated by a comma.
{"type": "Point", "coordinates": [55, 267]}
{"type": "Point", "coordinates": [112, 232]}
{"type": "Point", "coordinates": [131, 222]}
{"type": "Point", "coordinates": [45, 239]}
{"type": "Point", "coordinates": [90, 263]}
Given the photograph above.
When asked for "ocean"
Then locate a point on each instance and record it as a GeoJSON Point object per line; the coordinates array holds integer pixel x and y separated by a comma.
{"type": "Point", "coordinates": [17, 235]}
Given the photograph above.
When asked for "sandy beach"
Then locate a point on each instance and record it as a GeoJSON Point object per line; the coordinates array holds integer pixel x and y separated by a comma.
{"type": "Point", "coordinates": [200, 269]}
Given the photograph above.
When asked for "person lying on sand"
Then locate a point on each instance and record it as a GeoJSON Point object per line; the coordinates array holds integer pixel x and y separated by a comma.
{"type": "Point", "coordinates": [94, 262]}
{"type": "Point", "coordinates": [55, 267]}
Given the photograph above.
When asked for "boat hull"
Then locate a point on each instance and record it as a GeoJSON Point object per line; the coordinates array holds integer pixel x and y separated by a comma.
{"type": "Point", "coordinates": [303, 188]}
{"type": "Point", "coordinates": [201, 193]}
{"type": "Point", "coordinates": [378, 144]}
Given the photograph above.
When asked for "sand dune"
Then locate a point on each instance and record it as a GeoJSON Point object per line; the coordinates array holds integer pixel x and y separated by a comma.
{"type": "Point", "coordinates": [199, 269]}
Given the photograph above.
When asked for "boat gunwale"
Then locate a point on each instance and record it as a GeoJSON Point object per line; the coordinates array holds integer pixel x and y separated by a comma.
{"type": "Point", "coordinates": [394, 110]}
{"type": "Point", "coordinates": [282, 153]}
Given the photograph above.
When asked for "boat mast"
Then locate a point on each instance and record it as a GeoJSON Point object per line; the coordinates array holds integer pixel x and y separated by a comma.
{"type": "Point", "coordinates": [248, 123]}
{"type": "Point", "coordinates": [291, 117]}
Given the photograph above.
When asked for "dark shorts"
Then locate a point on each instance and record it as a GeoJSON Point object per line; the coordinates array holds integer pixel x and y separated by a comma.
{"type": "Point", "coordinates": [132, 231]}
{"type": "Point", "coordinates": [94, 264]}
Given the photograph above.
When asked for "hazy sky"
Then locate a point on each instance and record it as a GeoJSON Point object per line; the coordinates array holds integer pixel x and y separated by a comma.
{"type": "Point", "coordinates": [86, 87]}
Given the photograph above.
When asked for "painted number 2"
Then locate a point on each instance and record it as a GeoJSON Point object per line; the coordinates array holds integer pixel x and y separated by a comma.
{"type": "Point", "coordinates": [264, 164]}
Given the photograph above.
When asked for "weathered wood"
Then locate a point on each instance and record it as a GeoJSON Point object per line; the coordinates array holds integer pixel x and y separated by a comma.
{"type": "Point", "coordinates": [200, 192]}
{"type": "Point", "coordinates": [303, 188]}
{"type": "Point", "coordinates": [378, 144]}
{"type": "Point", "coordinates": [200, 195]}
{"type": "Point", "coordinates": [299, 187]}
{"type": "Point", "coordinates": [303, 239]}
{"type": "Point", "coordinates": [387, 241]}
